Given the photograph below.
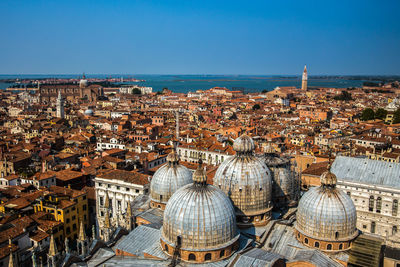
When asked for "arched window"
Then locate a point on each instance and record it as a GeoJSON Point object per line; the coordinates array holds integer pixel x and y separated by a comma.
{"type": "Point", "coordinates": [166, 248]}
{"type": "Point", "coordinates": [378, 204]}
{"type": "Point", "coordinates": [395, 207]}
{"type": "Point", "coordinates": [222, 253]}
{"type": "Point", "coordinates": [329, 247]}
{"type": "Point", "coordinates": [336, 235]}
{"type": "Point", "coordinates": [340, 246]}
{"type": "Point", "coordinates": [192, 257]}
{"type": "Point", "coordinates": [306, 240]}
{"type": "Point", "coordinates": [371, 203]}
{"type": "Point", "coordinates": [207, 257]}
{"type": "Point", "coordinates": [316, 244]}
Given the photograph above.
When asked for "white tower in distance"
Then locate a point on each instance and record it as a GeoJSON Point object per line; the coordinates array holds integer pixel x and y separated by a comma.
{"type": "Point", "coordinates": [60, 106]}
{"type": "Point", "coordinates": [304, 79]}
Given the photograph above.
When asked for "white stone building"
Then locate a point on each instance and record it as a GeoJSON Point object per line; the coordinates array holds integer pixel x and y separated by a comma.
{"type": "Point", "coordinates": [120, 188]}
{"type": "Point", "coordinates": [112, 143]}
{"type": "Point", "coordinates": [374, 187]}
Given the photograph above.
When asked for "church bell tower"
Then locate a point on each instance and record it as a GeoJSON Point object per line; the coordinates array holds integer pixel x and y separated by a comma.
{"type": "Point", "coordinates": [304, 79]}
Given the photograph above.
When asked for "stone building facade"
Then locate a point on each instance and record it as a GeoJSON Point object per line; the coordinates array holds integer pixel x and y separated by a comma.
{"type": "Point", "coordinates": [374, 187]}
{"type": "Point", "coordinates": [119, 188]}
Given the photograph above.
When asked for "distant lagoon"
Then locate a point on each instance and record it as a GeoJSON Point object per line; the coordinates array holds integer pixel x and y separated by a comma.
{"type": "Point", "coordinates": [186, 83]}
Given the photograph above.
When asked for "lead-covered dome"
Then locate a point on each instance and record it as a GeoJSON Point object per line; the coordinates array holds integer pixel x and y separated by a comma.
{"type": "Point", "coordinates": [199, 221]}
{"type": "Point", "coordinates": [167, 179]}
{"type": "Point", "coordinates": [326, 216]}
{"type": "Point", "coordinates": [246, 179]}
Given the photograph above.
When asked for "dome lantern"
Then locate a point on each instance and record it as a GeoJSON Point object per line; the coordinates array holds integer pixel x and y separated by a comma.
{"type": "Point", "coordinates": [199, 176]}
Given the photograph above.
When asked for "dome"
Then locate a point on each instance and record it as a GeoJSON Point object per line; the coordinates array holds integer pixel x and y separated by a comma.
{"type": "Point", "coordinates": [167, 179]}
{"type": "Point", "coordinates": [244, 144]}
{"type": "Point", "coordinates": [247, 180]}
{"type": "Point", "coordinates": [326, 215]}
{"type": "Point", "coordinates": [199, 219]}
{"type": "Point", "coordinates": [284, 187]}
{"type": "Point", "coordinates": [89, 112]}
{"type": "Point", "coordinates": [83, 82]}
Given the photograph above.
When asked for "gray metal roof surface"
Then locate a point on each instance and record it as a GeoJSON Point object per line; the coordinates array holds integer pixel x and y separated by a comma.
{"type": "Point", "coordinates": [102, 255]}
{"type": "Point", "coordinates": [374, 172]}
{"type": "Point", "coordinates": [138, 240]}
{"type": "Point", "coordinates": [257, 257]}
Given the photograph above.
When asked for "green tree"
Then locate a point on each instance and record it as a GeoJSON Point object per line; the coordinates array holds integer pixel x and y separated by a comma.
{"type": "Point", "coordinates": [136, 91]}
{"type": "Point", "coordinates": [367, 114]}
{"type": "Point", "coordinates": [264, 91]}
{"type": "Point", "coordinates": [396, 116]}
{"type": "Point", "coordinates": [256, 106]}
{"type": "Point", "coordinates": [380, 114]}
{"type": "Point", "coordinates": [344, 96]}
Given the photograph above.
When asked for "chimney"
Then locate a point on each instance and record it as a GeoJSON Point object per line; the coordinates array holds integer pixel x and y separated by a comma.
{"type": "Point", "coordinates": [44, 166]}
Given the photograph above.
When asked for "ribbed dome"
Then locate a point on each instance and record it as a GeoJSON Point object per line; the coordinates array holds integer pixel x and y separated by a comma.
{"type": "Point", "coordinates": [89, 112]}
{"type": "Point", "coordinates": [83, 83]}
{"type": "Point", "coordinates": [202, 216]}
{"type": "Point", "coordinates": [169, 178]}
{"type": "Point", "coordinates": [326, 213]}
{"type": "Point", "coordinates": [246, 179]}
{"type": "Point", "coordinates": [244, 144]}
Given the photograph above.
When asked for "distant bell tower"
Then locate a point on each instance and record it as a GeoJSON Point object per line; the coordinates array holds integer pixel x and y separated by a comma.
{"type": "Point", "coordinates": [304, 79]}
{"type": "Point", "coordinates": [60, 106]}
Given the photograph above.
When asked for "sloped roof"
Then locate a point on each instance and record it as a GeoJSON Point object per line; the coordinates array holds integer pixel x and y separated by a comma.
{"type": "Point", "coordinates": [363, 170]}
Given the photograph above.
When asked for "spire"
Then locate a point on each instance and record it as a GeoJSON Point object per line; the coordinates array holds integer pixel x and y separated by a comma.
{"type": "Point", "coordinates": [82, 235]}
{"type": "Point", "coordinates": [53, 247]}
{"type": "Point", "coordinates": [129, 210]}
{"type": "Point", "coordinates": [93, 232]}
{"type": "Point", "coordinates": [177, 126]}
{"type": "Point", "coordinates": [107, 201]}
{"type": "Point", "coordinates": [66, 244]}
{"type": "Point", "coordinates": [107, 220]}
{"type": "Point", "coordinates": [11, 261]}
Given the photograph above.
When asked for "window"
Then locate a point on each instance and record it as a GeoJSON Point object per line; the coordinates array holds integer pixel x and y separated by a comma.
{"type": "Point", "coordinates": [118, 187]}
{"type": "Point", "coordinates": [316, 244]}
{"type": "Point", "coordinates": [395, 207]}
{"type": "Point", "coordinates": [378, 204]}
{"type": "Point", "coordinates": [127, 189]}
{"type": "Point", "coordinates": [84, 207]}
{"type": "Point", "coordinates": [74, 226]}
{"type": "Point", "coordinates": [192, 257]}
{"type": "Point", "coordinates": [73, 217]}
{"type": "Point", "coordinates": [222, 253]}
{"type": "Point", "coordinates": [394, 229]}
{"type": "Point", "coordinates": [341, 246]}
{"type": "Point", "coordinates": [207, 257]}
{"type": "Point", "coordinates": [166, 247]}
{"type": "Point", "coordinates": [84, 197]}
{"type": "Point", "coordinates": [336, 235]}
{"type": "Point", "coordinates": [137, 190]}
{"type": "Point", "coordinates": [329, 247]}
{"type": "Point", "coordinates": [373, 227]}
{"type": "Point", "coordinates": [371, 203]}
{"type": "Point", "coordinates": [306, 240]}
{"type": "Point", "coordinates": [101, 201]}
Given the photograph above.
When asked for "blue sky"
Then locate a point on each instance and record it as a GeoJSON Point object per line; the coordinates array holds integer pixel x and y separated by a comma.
{"type": "Point", "coordinates": [199, 37]}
